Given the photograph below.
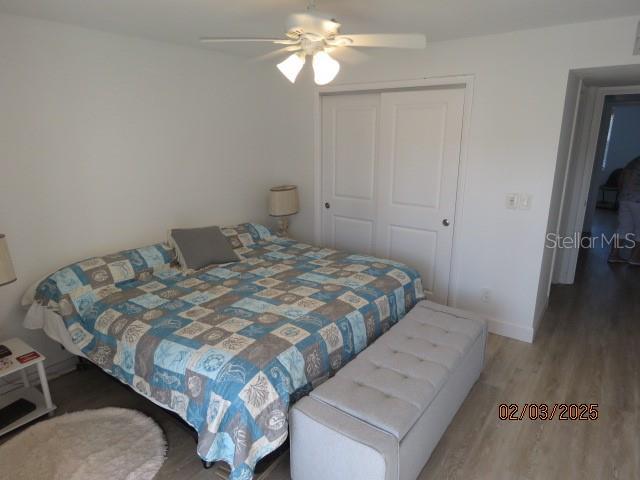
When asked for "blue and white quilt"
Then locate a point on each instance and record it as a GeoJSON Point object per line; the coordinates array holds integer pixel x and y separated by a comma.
{"type": "Point", "coordinates": [230, 348]}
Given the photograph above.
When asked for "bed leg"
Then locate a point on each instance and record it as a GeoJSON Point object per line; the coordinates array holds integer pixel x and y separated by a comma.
{"type": "Point", "coordinates": [82, 364]}
{"type": "Point", "coordinates": [207, 465]}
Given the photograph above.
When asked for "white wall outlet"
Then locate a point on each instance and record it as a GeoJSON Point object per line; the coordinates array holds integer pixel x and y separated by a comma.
{"type": "Point", "coordinates": [525, 200]}
{"type": "Point", "coordinates": [485, 295]}
{"type": "Point", "coordinates": [511, 202]}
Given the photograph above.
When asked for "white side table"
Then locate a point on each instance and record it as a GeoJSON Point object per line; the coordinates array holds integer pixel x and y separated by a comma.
{"type": "Point", "coordinates": [10, 365]}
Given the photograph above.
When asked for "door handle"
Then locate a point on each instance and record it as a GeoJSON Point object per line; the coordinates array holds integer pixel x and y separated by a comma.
{"type": "Point", "coordinates": [445, 222]}
{"type": "Point", "coordinates": [327, 205]}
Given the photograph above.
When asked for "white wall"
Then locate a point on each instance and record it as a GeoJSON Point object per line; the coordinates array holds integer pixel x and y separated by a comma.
{"type": "Point", "coordinates": [518, 105]}
{"type": "Point", "coordinates": [107, 141]}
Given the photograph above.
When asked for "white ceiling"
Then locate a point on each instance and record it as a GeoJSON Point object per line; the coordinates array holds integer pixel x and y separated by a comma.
{"type": "Point", "coordinates": [183, 21]}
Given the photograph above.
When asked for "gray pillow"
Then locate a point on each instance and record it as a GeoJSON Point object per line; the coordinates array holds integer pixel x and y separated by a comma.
{"type": "Point", "coordinates": [199, 247]}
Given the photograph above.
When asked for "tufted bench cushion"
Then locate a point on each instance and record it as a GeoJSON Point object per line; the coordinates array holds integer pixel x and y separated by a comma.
{"type": "Point", "coordinates": [387, 392]}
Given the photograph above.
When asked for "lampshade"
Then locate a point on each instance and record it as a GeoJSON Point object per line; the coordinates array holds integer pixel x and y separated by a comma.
{"type": "Point", "coordinates": [7, 275]}
{"type": "Point", "coordinates": [325, 68]}
{"type": "Point", "coordinates": [291, 67]}
{"type": "Point", "coordinates": [283, 200]}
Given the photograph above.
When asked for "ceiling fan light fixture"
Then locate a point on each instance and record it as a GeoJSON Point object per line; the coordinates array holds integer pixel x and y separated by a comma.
{"type": "Point", "coordinates": [325, 68]}
{"type": "Point", "coordinates": [316, 34]}
{"type": "Point", "coordinates": [291, 66]}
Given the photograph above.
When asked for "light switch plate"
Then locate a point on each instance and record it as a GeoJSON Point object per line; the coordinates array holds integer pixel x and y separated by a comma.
{"type": "Point", "coordinates": [512, 200]}
{"type": "Point", "coordinates": [524, 202]}
{"type": "Point", "coordinates": [485, 295]}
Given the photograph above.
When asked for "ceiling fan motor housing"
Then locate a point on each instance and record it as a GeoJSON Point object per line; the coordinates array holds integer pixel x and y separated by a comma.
{"type": "Point", "coordinates": [319, 25]}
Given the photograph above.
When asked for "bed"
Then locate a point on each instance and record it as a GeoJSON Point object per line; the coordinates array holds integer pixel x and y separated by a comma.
{"type": "Point", "coordinates": [228, 348]}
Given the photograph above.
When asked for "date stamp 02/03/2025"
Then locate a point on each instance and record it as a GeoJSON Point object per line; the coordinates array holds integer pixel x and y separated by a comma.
{"type": "Point", "coordinates": [548, 411]}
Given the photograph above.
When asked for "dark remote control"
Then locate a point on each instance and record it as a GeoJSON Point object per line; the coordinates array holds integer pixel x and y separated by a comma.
{"type": "Point", "coordinates": [4, 351]}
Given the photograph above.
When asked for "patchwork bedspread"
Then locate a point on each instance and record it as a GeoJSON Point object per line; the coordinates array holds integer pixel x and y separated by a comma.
{"type": "Point", "coordinates": [229, 348]}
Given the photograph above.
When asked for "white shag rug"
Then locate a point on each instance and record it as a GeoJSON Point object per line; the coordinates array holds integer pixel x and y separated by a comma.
{"type": "Point", "coordinates": [104, 444]}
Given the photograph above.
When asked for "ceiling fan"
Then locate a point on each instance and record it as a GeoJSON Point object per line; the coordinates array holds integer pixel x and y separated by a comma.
{"type": "Point", "coordinates": [316, 35]}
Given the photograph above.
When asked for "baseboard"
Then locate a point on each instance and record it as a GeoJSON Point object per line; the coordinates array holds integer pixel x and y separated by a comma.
{"type": "Point", "coordinates": [517, 332]}
{"type": "Point", "coordinates": [506, 329]}
{"type": "Point", "coordinates": [538, 319]}
{"type": "Point", "coordinates": [53, 370]}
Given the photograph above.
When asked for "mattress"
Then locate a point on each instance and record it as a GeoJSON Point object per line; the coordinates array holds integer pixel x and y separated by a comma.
{"type": "Point", "coordinates": [39, 317]}
{"type": "Point", "coordinates": [230, 348]}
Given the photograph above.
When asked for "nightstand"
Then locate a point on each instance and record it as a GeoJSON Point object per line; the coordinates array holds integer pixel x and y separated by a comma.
{"type": "Point", "coordinates": [11, 364]}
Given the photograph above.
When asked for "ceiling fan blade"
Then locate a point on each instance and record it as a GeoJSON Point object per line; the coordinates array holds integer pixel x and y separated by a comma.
{"type": "Point", "coordinates": [279, 41]}
{"type": "Point", "coordinates": [383, 40]}
{"type": "Point", "coordinates": [348, 55]}
{"type": "Point", "coordinates": [276, 53]}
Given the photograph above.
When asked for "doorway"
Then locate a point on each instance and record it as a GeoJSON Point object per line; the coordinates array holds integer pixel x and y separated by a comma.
{"type": "Point", "coordinates": [607, 138]}
{"type": "Point", "coordinates": [390, 164]}
{"type": "Point", "coordinates": [618, 145]}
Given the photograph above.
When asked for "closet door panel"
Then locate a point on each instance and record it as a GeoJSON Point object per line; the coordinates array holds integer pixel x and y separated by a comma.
{"type": "Point", "coordinates": [404, 242]}
{"type": "Point", "coordinates": [389, 177]}
{"type": "Point", "coordinates": [419, 152]}
{"type": "Point", "coordinates": [349, 158]}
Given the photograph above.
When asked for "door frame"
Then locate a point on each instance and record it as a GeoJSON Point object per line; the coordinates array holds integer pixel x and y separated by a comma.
{"type": "Point", "coordinates": [566, 261]}
{"type": "Point", "coordinates": [460, 81]}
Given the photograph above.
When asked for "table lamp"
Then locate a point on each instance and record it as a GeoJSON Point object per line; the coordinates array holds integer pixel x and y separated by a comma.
{"type": "Point", "coordinates": [7, 274]}
{"type": "Point", "coordinates": [283, 202]}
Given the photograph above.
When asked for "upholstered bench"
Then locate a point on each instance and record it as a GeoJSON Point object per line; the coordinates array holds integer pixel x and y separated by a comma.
{"type": "Point", "coordinates": [382, 415]}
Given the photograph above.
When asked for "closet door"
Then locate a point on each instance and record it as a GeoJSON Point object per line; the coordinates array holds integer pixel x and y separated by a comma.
{"type": "Point", "coordinates": [349, 151]}
{"type": "Point", "coordinates": [419, 152]}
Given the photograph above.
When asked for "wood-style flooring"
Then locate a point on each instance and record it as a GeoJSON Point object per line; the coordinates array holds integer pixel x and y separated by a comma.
{"type": "Point", "coordinates": [587, 350]}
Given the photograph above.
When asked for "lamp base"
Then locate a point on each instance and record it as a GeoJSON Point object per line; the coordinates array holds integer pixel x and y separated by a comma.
{"type": "Point", "coordinates": [283, 226]}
